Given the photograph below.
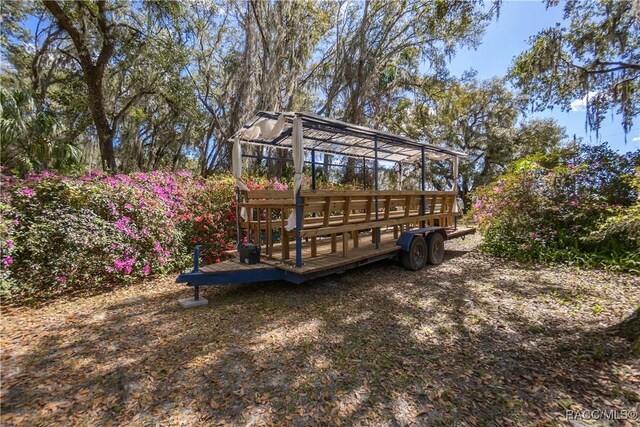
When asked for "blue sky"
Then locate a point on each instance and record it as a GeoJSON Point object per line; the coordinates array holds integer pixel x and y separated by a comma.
{"type": "Point", "coordinates": [507, 37]}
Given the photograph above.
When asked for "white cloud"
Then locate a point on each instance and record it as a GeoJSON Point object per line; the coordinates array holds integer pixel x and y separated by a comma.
{"type": "Point", "coordinates": [636, 139]}
{"type": "Point", "coordinates": [581, 104]}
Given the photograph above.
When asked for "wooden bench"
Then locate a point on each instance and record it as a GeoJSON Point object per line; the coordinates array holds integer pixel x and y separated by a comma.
{"type": "Point", "coordinates": [346, 213]}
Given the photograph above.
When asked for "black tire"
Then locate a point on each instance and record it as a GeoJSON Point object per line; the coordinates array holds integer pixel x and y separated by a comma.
{"type": "Point", "coordinates": [435, 252]}
{"type": "Point", "coordinates": [416, 257]}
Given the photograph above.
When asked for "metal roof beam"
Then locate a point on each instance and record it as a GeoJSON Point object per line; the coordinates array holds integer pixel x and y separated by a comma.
{"type": "Point", "coordinates": [391, 147]}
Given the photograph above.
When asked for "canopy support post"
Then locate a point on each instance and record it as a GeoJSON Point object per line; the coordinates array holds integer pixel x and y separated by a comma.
{"type": "Point", "coordinates": [237, 217]}
{"type": "Point", "coordinates": [299, 136]}
{"type": "Point", "coordinates": [376, 231]}
{"type": "Point", "coordinates": [423, 185]}
{"type": "Point", "coordinates": [455, 174]}
{"type": "Point", "coordinates": [298, 228]}
{"type": "Point", "coordinates": [364, 173]}
{"type": "Point", "coordinates": [455, 189]}
{"type": "Point", "coordinates": [313, 168]}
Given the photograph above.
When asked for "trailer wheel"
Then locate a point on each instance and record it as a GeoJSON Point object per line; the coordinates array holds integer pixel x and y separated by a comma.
{"type": "Point", "coordinates": [435, 243]}
{"type": "Point", "coordinates": [416, 257]}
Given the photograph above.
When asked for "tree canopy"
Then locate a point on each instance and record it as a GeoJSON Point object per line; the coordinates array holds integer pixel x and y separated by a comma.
{"type": "Point", "coordinates": [162, 85]}
{"type": "Point", "coordinates": [147, 85]}
{"type": "Point", "coordinates": [595, 58]}
{"type": "Point", "coordinates": [480, 118]}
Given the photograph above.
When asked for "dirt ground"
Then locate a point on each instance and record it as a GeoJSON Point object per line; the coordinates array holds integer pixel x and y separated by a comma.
{"type": "Point", "coordinates": [474, 341]}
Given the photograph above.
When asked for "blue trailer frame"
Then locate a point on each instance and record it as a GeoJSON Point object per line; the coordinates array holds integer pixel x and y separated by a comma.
{"type": "Point", "coordinates": [197, 278]}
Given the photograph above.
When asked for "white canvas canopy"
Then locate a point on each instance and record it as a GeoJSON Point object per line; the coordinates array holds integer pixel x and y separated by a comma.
{"type": "Point", "coordinates": [236, 164]}
{"type": "Point", "coordinates": [456, 208]}
{"type": "Point", "coordinates": [262, 129]}
{"type": "Point", "coordinates": [298, 165]}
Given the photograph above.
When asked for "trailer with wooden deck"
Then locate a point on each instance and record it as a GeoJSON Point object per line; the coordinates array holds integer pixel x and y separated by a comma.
{"type": "Point", "coordinates": [308, 233]}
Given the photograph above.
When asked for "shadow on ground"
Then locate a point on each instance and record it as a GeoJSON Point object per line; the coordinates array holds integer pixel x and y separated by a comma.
{"type": "Point", "coordinates": [475, 341]}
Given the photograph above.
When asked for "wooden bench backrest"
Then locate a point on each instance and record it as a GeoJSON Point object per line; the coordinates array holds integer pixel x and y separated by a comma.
{"type": "Point", "coordinates": [355, 206]}
{"type": "Point", "coordinates": [331, 213]}
{"type": "Point", "coordinates": [253, 195]}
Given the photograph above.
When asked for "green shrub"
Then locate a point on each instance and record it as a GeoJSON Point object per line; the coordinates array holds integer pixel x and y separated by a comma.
{"type": "Point", "coordinates": [619, 235]}
{"type": "Point", "coordinates": [578, 205]}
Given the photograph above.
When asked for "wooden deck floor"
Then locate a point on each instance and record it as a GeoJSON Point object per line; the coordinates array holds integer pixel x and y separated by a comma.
{"type": "Point", "coordinates": [233, 264]}
{"type": "Point", "coordinates": [327, 260]}
{"type": "Point", "coordinates": [324, 261]}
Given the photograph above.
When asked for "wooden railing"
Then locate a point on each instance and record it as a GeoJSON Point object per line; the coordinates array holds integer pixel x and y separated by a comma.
{"type": "Point", "coordinates": [347, 213]}
{"type": "Point", "coordinates": [268, 210]}
{"type": "Point", "coordinates": [328, 214]}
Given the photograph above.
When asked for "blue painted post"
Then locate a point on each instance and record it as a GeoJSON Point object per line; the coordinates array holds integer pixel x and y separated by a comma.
{"type": "Point", "coordinates": [196, 258]}
{"type": "Point", "coordinates": [196, 269]}
{"type": "Point", "coordinates": [423, 186]}
{"type": "Point", "coordinates": [375, 184]}
{"type": "Point", "coordinates": [298, 229]}
{"type": "Point", "coordinates": [299, 220]}
{"type": "Point", "coordinates": [237, 218]}
{"type": "Point", "coordinates": [313, 168]}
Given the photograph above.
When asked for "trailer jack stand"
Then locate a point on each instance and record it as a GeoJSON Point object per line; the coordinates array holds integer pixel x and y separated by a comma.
{"type": "Point", "coordinates": [196, 301]}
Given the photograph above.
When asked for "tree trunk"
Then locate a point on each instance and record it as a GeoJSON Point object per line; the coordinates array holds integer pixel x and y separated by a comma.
{"type": "Point", "coordinates": [629, 329]}
{"type": "Point", "coordinates": [103, 128]}
{"type": "Point", "coordinates": [326, 173]}
{"type": "Point", "coordinates": [176, 158]}
{"type": "Point", "coordinates": [350, 171]}
{"type": "Point", "coordinates": [93, 73]}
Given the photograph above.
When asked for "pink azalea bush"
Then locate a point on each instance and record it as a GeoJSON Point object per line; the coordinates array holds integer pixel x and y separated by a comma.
{"type": "Point", "coordinates": [62, 232]}
{"type": "Point", "coordinates": [551, 207]}
{"type": "Point", "coordinates": [262, 183]}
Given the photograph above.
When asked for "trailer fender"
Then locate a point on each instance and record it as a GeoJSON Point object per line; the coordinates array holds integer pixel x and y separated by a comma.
{"type": "Point", "coordinates": [404, 241]}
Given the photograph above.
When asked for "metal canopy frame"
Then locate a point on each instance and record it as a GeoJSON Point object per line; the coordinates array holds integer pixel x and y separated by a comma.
{"type": "Point", "coordinates": [330, 136]}
{"type": "Point", "coordinates": [343, 139]}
